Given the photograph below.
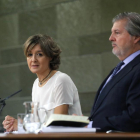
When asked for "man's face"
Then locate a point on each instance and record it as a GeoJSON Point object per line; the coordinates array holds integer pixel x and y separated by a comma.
{"type": "Point", "coordinates": [122, 41]}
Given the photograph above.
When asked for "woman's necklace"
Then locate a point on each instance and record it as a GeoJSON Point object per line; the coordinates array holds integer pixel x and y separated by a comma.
{"type": "Point", "coordinates": [42, 81]}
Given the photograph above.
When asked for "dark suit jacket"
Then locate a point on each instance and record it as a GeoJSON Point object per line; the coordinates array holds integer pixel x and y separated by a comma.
{"type": "Point", "coordinates": [118, 107]}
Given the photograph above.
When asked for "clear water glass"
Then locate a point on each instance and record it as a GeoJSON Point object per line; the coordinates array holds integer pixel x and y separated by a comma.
{"type": "Point", "coordinates": [31, 122]}
{"type": "Point", "coordinates": [20, 117]}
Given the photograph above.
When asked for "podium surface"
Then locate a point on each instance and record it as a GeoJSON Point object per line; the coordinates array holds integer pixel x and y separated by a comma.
{"type": "Point", "coordinates": [73, 136]}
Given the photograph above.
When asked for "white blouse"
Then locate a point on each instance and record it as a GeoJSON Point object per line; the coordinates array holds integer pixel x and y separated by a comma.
{"type": "Point", "coordinates": [58, 90]}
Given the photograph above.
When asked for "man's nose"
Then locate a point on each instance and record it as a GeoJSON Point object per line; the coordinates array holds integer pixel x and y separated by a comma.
{"type": "Point", "coordinates": [111, 38]}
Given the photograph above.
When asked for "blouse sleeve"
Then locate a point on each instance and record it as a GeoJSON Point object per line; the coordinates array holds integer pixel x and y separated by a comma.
{"type": "Point", "coordinates": [64, 90]}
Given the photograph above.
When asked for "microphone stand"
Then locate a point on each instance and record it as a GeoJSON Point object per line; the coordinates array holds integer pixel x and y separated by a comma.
{"type": "Point", "coordinates": [2, 102]}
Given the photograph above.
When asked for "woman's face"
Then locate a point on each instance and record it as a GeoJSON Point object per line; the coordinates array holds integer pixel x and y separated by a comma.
{"type": "Point", "coordinates": [37, 61]}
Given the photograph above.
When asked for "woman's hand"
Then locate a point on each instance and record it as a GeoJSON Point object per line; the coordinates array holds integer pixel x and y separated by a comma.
{"type": "Point", "coordinates": [10, 124]}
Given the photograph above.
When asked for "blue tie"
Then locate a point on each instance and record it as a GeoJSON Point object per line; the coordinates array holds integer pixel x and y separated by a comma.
{"type": "Point", "coordinates": [117, 69]}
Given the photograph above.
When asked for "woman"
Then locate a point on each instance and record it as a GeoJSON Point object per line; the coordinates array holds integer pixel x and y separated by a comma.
{"type": "Point", "coordinates": [54, 90]}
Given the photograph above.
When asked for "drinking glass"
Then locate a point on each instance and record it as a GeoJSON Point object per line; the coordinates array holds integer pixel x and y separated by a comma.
{"type": "Point", "coordinates": [20, 117]}
{"type": "Point", "coordinates": [31, 122]}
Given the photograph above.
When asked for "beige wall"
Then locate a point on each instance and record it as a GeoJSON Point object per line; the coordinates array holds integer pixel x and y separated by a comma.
{"type": "Point", "coordinates": [80, 27]}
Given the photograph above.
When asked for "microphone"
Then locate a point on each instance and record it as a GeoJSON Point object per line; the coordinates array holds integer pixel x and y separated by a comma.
{"type": "Point", "coordinates": [10, 96]}
{"type": "Point", "coordinates": [2, 102]}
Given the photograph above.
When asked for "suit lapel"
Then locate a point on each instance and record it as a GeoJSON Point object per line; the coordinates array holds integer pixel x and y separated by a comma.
{"type": "Point", "coordinates": [98, 92]}
{"type": "Point", "coordinates": [114, 81]}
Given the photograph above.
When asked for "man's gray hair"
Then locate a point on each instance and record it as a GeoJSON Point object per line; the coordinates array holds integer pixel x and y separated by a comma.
{"type": "Point", "coordinates": [133, 22]}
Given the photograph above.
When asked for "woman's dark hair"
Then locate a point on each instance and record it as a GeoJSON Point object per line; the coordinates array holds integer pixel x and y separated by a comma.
{"type": "Point", "coordinates": [48, 46]}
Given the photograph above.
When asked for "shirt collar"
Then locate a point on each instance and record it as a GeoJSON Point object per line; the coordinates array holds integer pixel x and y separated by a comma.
{"type": "Point", "coordinates": [131, 57]}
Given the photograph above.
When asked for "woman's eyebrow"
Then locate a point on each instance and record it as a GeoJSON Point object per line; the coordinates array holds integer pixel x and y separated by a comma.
{"type": "Point", "coordinates": [36, 51]}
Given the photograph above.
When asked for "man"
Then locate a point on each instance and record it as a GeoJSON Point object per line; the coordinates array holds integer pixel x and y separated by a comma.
{"type": "Point", "coordinates": [117, 104]}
